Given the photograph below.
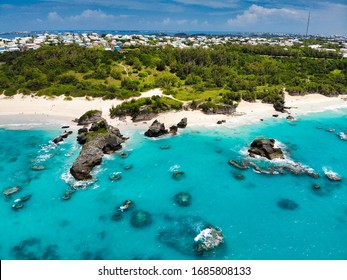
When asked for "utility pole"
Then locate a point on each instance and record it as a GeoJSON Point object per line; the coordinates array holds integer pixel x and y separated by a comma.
{"type": "Point", "coordinates": [308, 23]}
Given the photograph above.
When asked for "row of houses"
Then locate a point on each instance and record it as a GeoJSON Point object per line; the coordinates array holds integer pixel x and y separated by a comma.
{"type": "Point", "coordinates": [117, 42]}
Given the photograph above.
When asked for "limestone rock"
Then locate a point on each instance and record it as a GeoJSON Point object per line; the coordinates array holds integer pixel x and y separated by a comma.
{"type": "Point", "coordinates": [90, 117]}
{"type": "Point", "coordinates": [279, 107]}
{"type": "Point", "coordinates": [183, 123]}
{"type": "Point", "coordinates": [140, 219]}
{"type": "Point", "coordinates": [265, 148]}
{"type": "Point", "coordinates": [103, 139]}
{"type": "Point", "coordinates": [156, 129]}
{"type": "Point", "coordinates": [208, 239]}
{"type": "Point", "coordinates": [11, 191]}
{"type": "Point", "coordinates": [173, 130]}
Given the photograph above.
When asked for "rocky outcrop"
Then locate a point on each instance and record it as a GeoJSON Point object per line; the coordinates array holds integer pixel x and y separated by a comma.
{"type": "Point", "coordinates": [156, 129]}
{"type": "Point", "coordinates": [183, 123]}
{"type": "Point", "coordinates": [173, 129]}
{"type": "Point", "coordinates": [89, 117]}
{"type": "Point", "coordinates": [10, 191]}
{"type": "Point", "coordinates": [62, 137]}
{"type": "Point", "coordinates": [144, 115]}
{"type": "Point", "coordinates": [208, 239]}
{"type": "Point", "coordinates": [101, 139]}
{"type": "Point", "coordinates": [242, 165]}
{"type": "Point", "coordinates": [265, 148]}
{"type": "Point", "coordinates": [220, 109]}
{"type": "Point", "coordinates": [279, 107]}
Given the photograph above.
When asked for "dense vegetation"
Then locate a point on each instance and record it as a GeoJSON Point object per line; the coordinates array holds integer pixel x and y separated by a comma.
{"type": "Point", "coordinates": [155, 104]}
{"type": "Point", "coordinates": [222, 74]}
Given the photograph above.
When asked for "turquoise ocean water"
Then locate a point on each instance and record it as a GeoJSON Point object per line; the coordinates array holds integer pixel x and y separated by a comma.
{"type": "Point", "coordinates": [246, 210]}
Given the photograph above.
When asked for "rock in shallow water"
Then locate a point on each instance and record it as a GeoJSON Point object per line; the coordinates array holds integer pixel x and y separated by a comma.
{"type": "Point", "coordinates": [116, 176]}
{"type": "Point", "coordinates": [208, 239]}
{"type": "Point", "coordinates": [178, 175]}
{"type": "Point", "coordinates": [183, 199]}
{"type": "Point", "coordinates": [140, 219]}
{"type": "Point", "coordinates": [156, 129]}
{"type": "Point", "coordinates": [105, 140]}
{"type": "Point", "coordinates": [265, 148]}
{"type": "Point", "coordinates": [287, 204]}
{"type": "Point", "coordinates": [12, 190]}
{"type": "Point", "coordinates": [180, 235]}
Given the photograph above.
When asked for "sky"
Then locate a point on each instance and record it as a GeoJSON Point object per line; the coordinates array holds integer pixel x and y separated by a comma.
{"type": "Point", "coordinates": [284, 16]}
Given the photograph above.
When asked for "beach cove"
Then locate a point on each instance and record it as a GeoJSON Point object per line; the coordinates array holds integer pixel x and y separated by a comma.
{"type": "Point", "coordinates": [244, 204]}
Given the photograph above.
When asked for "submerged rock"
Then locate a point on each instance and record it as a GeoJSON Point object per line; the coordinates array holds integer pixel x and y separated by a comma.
{"type": "Point", "coordinates": [124, 155]}
{"type": "Point", "coordinates": [10, 191]}
{"type": "Point", "coordinates": [287, 204]}
{"type": "Point", "coordinates": [140, 219]}
{"type": "Point", "coordinates": [179, 233]}
{"type": "Point", "coordinates": [238, 176]}
{"type": "Point", "coordinates": [38, 167]}
{"type": "Point", "coordinates": [243, 165]}
{"type": "Point", "coordinates": [164, 147]}
{"type": "Point", "coordinates": [116, 176]}
{"type": "Point", "coordinates": [265, 148]}
{"type": "Point", "coordinates": [183, 199]}
{"type": "Point", "coordinates": [156, 129]}
{"type": "Point", "coordinates": [128, 167]}
{"type": "Point", "coordinates": [178, 175]}
{"type": "Point", "coordinates": [67, 195]}
{"type": "Point", "coordinates": [117, 217]}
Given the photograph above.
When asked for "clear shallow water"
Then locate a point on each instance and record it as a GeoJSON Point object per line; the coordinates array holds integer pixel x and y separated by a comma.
{"type": "Point", "coordinates": [246, 210]}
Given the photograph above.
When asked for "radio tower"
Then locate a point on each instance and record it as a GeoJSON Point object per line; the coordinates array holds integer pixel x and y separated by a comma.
{"type": "Point", "coordinates": [308, 23]}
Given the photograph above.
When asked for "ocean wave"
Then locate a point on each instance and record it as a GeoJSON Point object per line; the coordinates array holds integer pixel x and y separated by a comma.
{"type": "Point", "coordinates": [174, 168]}
{"type": "Point", "coordinates": [332, 175]}
{"type": "Point", "coordinates": [342, 136]}
{"type": "Point", "coordinates": [75, 184]}
{"type": "Point", "coordinates": [43, 158]}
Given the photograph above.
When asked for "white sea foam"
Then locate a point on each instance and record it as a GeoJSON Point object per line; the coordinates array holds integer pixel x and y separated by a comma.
{"type": "Point", "coordinates": [244, 151]}
{"type": "Point", "coordinates": [203, 235]}
{"type": "Point", "coordinates": [43, 158]}
{"type": "Point", "coordinates": [174, 168]}
{"type": "Point", "coordinates": [72, 182]}
{"type": "Point", "coordinates": [342, 136]}
{"type": "Point", "coordinates": [330, 172]}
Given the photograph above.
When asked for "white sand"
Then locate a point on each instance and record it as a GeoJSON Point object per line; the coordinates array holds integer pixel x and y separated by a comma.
{"type": "Point", "coordinates": [45, 108]}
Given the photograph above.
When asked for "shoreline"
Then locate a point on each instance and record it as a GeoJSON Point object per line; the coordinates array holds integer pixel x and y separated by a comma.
{"type": "Point", "coordinates": [52, 111]}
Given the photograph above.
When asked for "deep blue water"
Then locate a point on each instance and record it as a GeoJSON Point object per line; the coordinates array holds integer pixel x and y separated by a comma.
{"type": "Point", "coordinates": [247, 211]}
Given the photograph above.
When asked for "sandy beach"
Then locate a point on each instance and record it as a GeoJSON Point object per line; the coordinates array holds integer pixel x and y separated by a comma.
{"type": "Point", "coordinates": [44, 108]}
